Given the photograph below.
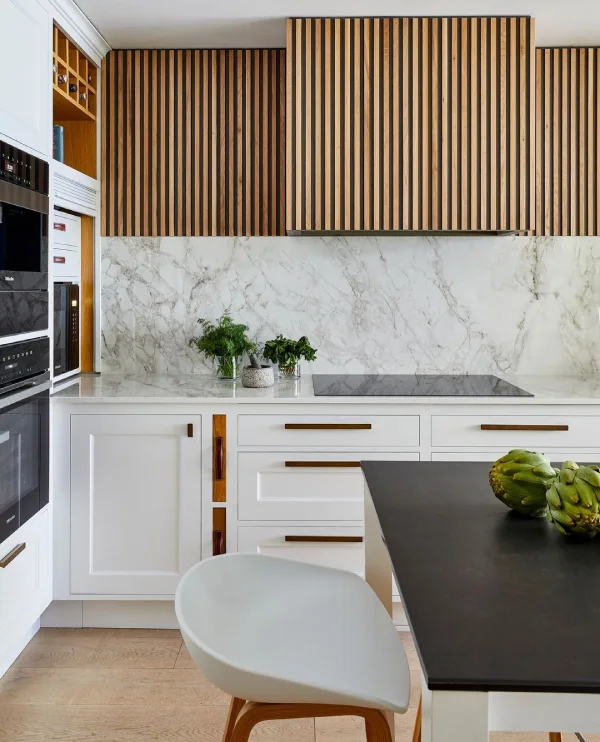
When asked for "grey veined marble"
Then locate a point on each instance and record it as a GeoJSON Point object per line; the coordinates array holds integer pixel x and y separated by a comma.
{"type": "Point", "coordinates": [503, 305]}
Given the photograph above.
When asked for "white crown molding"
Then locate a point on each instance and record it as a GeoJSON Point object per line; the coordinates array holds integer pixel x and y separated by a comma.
{"type": "Point", "coordinates": [78, 26]}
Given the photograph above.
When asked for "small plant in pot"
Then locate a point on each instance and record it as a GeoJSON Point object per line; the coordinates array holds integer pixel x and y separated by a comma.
{"type": "Point", "coordinates": [225, 342]}
{"type": "Point", "coordinates": [287, 354]}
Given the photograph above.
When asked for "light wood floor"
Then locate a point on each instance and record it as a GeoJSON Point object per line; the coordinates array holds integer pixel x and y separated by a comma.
{"type": "Point", "coordinates": [126, 685]}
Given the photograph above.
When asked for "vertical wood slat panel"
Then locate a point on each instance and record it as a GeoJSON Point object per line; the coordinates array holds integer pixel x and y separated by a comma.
{"type": "Point", "coordinates": [423, 123]}
{"type": "Point", "coordinates": [568, 149]}
{"type": "Point", "coordinates": [175, 128]}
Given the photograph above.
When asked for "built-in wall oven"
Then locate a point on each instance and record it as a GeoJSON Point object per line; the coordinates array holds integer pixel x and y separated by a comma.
{"type": "Point", "coordinates": [23, 242]}
{"type": "Point", "coordinates": [66, 327]}
{"type": "Point", "coordinates": [24, 432]}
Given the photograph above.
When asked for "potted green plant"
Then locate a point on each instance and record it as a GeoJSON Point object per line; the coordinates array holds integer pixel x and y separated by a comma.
{"type": "Point", "coordinates": [225, 342]}
{"type": "Point", "coordinates": [286, 353]}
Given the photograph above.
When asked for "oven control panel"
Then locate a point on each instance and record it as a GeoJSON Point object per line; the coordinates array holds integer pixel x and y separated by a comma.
{"type": "Point", "coordinates": [23, 169]}
{"type": "Point", "coordinates": [24, 360]}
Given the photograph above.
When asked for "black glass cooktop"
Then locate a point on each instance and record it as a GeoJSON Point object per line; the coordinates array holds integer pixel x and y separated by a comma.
{"type": "Point", "coordinates": [367, 385]}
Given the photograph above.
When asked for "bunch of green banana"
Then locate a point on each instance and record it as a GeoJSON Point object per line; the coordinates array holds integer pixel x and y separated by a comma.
{"type": "Point", "coordinates": [520, 480]}
{"type": "Point", "coordinates": [574, 500]}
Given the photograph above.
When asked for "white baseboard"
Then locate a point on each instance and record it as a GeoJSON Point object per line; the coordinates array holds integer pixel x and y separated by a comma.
{"type": "Point", "coordinates": [110, 614]}
{"type": "Point", "coordinates": [63, 614]}
{"type": "Point", "coordinates": [15, 650]}
{"type": "Point", "coordinates": [129, 614]}
{"type": "Point", "coordinates": [133, 614]}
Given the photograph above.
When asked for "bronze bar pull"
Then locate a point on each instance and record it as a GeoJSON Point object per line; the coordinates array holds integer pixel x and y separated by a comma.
{"type": "Point", "coordinates": [323, 464]}
{"type": "Point", "coordinates": [219, 459]}
{"type": "Point", "coordinates": [326, 539]}
{"type": "Point", "coordinates": [12, 555]}
{"type": "Point", "coordinates": [190, 430]}
{"type": "Point", "coordinates": [218, 543]}
{"type": "Point", "coordinates": [526, 427]}
{"type": "Point", "coordinates": [328, 426]}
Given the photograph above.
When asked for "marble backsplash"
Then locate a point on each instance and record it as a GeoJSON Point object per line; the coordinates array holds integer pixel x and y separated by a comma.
{"type": "Point", "coordinates": [507, 305]}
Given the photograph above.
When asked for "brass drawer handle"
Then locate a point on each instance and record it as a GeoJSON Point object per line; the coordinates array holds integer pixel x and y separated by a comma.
{"type": "Point", "coordinates": [328, 426]}
{"type": "Point", "coordinates": [218, 542]}
{"type": "Point", "coordinates": [219, 455]}
{"type": "Point", "coordinates": [326, 539]}
{"type": "Point", "coordinates": [323, 464]}
{"type": "Point", "coordinates": [526, 427]}
{"type": "Point", "coordinates": [12, 555]}
{"type": "Point", "coordinates": [190, 430]}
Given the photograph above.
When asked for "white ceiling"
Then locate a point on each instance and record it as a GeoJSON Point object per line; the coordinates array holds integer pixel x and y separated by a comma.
{"type": "Point", "coordinates": [145, 24]}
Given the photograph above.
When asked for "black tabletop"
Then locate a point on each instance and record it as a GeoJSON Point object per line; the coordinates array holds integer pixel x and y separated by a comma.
{"type": "Point", "coordinates": [495, 601]}
{"type": "Point", "coordinates": [414, 385]}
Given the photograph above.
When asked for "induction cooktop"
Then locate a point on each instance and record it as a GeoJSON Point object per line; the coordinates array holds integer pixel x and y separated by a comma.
{"type": "Point", "coordinates": [420, 385]}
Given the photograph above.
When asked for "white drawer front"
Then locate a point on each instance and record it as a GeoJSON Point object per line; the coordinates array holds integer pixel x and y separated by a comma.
{"type": "Point", "coordinates": [466, 430]}
{"type": "Point", "coordinates": [556, 457]}
{"type": "Point", "coordinates": [66, 230]}
{"type": "Point", "coordinates": [66, 263]}
{"type": "Point", "coordinates": [272, 541]}
{"type": "Point", "coordinates": [350, 430]}
{"type": "Point", "coordinates": [339, 554]}
{"type": "Point", "coordinates": [306, 488]}
{"type": "Point", "coordinates": [25, 585]}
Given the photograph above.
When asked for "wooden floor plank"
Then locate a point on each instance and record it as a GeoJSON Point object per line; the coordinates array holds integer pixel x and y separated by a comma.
{"type": "Point", "coordinates": [44, 723]}
{"type": "Point", "coordinates": [107, 685]}
{"type": "Point", "coordinates": [102, 648]}
{"type": "Point", "coordinates": [101, 687]}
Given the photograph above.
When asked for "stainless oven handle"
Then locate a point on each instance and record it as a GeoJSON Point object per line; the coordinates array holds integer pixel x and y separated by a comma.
{"type": "Point", "coordinates": [23, 197]}
{"type": "Point", "coordinates": [24, 393]}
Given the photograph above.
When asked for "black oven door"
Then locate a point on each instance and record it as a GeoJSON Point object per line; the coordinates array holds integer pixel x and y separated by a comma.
{"type": "Point", "coordinates": [23, 239]}
{"type": "Point", "coordinates": [24, 460]}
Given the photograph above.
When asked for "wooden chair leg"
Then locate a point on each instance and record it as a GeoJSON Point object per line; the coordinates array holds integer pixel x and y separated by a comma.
{"type": "Point", "coordinates": [376, 726]}
{"type": "Point", "coordinates": [555, 736]}
{"type": "Point", "coordinates": [376, 723]}
{"type": "Point", "coordinates": [417, 728]}
{"type": "Point", "coordinates": [235, 707]}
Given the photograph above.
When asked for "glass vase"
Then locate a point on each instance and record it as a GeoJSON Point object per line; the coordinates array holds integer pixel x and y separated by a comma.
{"type": "Point", "coordinates": [291, 371]}
{"type": "Point", "coordinates": [228, 367]}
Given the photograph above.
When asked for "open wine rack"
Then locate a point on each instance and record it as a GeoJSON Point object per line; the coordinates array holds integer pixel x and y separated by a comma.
{"type": "Point", "coordinates": [74, 81]}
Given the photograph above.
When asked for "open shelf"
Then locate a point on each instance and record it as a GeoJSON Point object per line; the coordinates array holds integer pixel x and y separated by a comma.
{"type": "Point", "coordinates": [74, 91]}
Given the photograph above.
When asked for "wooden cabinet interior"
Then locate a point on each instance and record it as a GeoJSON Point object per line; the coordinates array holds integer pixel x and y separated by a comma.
{"type": "Point", "coordinates": [86, 339]}
{"type": "Point", "coordinates": [219, 458]}
{"type": "Point", "coordinates": [74, 98]}
{"type": "Point", "coordinates": [219, 533]}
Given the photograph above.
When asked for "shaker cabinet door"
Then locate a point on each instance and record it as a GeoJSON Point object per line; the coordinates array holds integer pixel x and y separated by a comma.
{"type": "Point", "coordinates": [135, 502]}
{"type": "Point", "coordinates": [25, 81]}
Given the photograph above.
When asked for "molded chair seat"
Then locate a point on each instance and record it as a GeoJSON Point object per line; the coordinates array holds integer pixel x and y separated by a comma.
{"type": "Point", "coordinates": [276, 631]}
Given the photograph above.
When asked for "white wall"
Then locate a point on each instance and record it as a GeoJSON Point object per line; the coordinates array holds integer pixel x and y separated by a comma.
{"type": "Point", "coordinates": [386, 305]}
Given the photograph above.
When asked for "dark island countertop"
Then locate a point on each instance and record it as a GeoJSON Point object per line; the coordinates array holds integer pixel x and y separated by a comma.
{"type": "Point", "coordinates": [495, 601]}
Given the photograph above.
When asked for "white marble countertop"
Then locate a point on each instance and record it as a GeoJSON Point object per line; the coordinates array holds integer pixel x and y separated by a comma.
{"type": "Point", "coordinates": [207, 389]}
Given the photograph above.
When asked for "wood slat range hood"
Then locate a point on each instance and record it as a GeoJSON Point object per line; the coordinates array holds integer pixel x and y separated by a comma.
{"type": "Point", "coordinates": [410, 125]}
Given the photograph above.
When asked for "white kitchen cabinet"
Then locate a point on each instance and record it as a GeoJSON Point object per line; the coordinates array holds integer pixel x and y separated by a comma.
{"type": "Point", "coordinates": [327, 546]}
{"type": "Point", "coordinates": [312, 485]}
{"type": "Point", "coordinates": [25, 580]}
{"type": "Point", "coordinates": [135, 502]}
{"type": "Point", "coordinates": [25, 81]}
{"type": "Point", "coordinates": [524, 430]}
{"type": "Point", "coordinates": [589, 457]}
{"type": "Point", "coordinates": [358, 430]}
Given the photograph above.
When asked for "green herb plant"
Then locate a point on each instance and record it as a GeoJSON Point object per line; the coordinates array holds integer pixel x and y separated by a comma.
{"type": "Point", "coordinates": [287, 353]}
{"type": "Point", "coordinates": [225, 341]}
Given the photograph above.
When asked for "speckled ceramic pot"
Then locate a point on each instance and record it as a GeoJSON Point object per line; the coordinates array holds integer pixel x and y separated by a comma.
{"type": "Point", "coordinates": [258, 378]}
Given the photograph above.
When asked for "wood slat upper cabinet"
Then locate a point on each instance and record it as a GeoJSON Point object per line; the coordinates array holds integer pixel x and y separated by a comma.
{"type": "Point", "coordinates": [410, 124]}
{"type": "Point", "coordinates": [568, 141]}
{"type": "Point", "coordinates": [193, 142]}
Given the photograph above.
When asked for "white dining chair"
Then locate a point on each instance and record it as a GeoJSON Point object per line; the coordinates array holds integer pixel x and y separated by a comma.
{"type": "Point", "coordinates": [290, 640]}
